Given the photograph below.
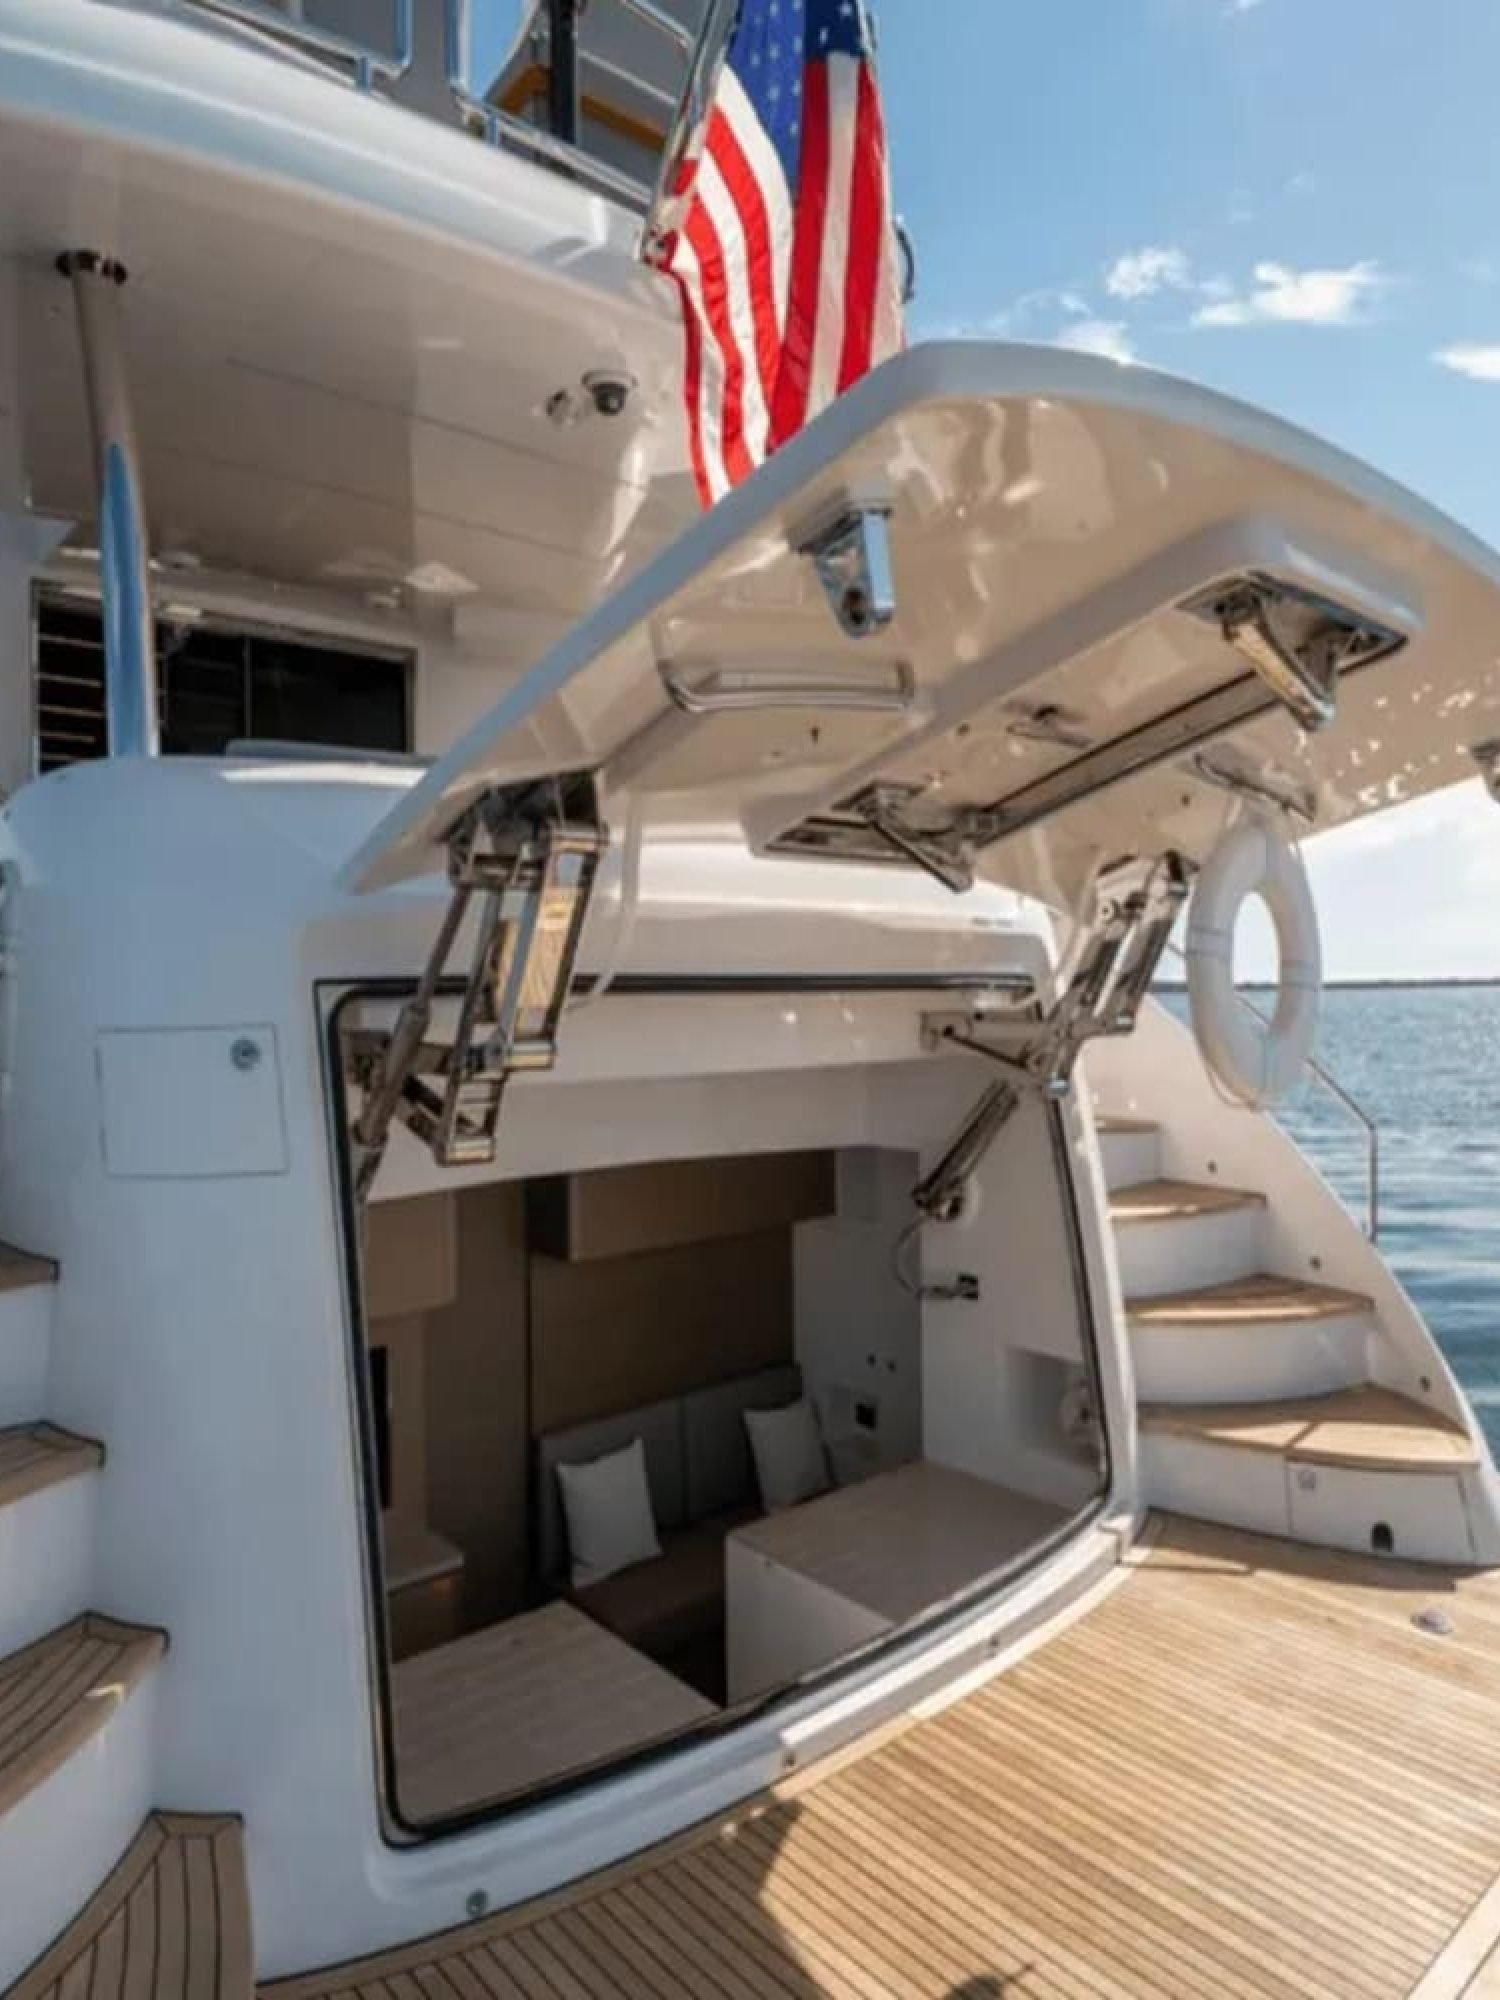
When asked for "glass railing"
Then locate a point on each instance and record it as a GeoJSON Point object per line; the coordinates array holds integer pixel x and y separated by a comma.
{"type": "Point", "coordinates": [607, 93]}
{"type": "Point", "coordinates": [303, 27]}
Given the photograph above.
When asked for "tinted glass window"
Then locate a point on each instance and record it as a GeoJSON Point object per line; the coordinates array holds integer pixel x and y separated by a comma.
{"type": "Point", "coordinates": [216, 686]}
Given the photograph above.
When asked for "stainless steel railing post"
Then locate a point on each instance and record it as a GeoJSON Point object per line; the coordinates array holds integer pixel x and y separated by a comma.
{"type": "Point", "coordinates": [1326, 1080]}
{"type": "Point", "coordinates": [124, 557]}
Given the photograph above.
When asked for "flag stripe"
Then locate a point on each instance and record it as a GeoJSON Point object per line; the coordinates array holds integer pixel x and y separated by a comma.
{"type": "Point", "coordinates": [866, 233]}
{"type": "Point", "coordinates": [843, 106]}
{"type": "Point", "coordinates": [767, 175]}
{"type": "Point", "coordinates": [714, 290]}
{"type": "Point", "coordinates": [780, 234]}
{"type": "Point", "coordinates": [789, 411]}
{"type": "Point", "coordinates": [748, 309]}
{"type": "Point", "coordinates": [701, 387]}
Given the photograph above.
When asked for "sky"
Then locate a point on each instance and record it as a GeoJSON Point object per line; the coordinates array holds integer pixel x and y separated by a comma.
{"type": "Point", "coordinates": [1295, 201]}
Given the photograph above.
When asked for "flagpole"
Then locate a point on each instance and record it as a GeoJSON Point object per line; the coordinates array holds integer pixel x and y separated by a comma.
{"type": "Point", "coordinates": [562, 70]}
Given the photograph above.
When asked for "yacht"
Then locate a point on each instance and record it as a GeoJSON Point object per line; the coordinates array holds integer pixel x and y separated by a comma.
{"type": "Point", "coordinates": [633, 1359]}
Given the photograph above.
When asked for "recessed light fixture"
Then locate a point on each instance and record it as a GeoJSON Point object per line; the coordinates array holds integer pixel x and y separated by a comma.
{"type": "Point", "coordinates": [436, 579]}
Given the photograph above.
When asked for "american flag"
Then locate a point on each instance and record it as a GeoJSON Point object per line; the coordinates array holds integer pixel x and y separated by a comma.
{"type": "Point", "coordinates": [780, 235]}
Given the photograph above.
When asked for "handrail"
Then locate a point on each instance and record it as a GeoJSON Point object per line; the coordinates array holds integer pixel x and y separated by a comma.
{"type": "Point", "coordinates": [692, 109]}
{"type": "Point", "coordinates": [366, 63]}
{"type": "Point", "coordinates": [284, 22]}
{"type": "Point", "coordinates": [1343, 1097]}
{"type": "Point", "coordinates": [654, 17]}
{"type": "Point", "coordinates": [500, 127]}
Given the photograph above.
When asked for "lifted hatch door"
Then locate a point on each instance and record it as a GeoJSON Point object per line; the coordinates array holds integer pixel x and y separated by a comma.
{"type": "Point", "coordinates": [1111, 598]}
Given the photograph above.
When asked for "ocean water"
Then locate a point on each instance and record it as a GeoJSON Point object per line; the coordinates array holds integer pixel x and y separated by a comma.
{"type": "Point", "coordinates": [1424, 1061]}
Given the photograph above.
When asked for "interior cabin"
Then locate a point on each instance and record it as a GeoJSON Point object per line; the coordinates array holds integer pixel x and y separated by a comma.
{"type": "Point", "coordinates": [654, 1443]}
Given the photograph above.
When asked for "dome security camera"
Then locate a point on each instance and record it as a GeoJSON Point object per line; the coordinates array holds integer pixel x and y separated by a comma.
{"type": "Point", "coordinates": [608, 389]}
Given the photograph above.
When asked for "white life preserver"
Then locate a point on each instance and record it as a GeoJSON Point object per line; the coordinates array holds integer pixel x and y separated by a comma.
{"type": "Point", "coordinates": [1256, 1062]}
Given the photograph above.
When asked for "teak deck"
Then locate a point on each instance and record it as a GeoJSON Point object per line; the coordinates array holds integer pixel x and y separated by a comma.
{"type": "Point", "coordinates": [1366, 1427]}
{"type": "Point", "coordinates": [55, 1693]}
{"type": "Point", "coordinates": [170, 1923]}
{"type": "Point", "coordinates": [1245, 1772]}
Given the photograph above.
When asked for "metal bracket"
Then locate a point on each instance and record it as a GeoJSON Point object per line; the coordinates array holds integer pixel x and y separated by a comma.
{"type": "Point", "coordinates": [1136, 906]}
{"type": "Point", "coordinates": [1299, 643]}
{"type": "Point", "coordinates": [527, 855]}
{"type": "Point", "coordinates": [1048, 722]}
{"type": "Point", "coordinates": [939, 1195]}
{"type": "Point", "coordinates": [1223, 767]}
{"type": "Point", "coordinates": [945, 851]}
{"type": "Point", "coordinates": [852, 557]}
{"type": "Point", "coordinates": [728, 690]}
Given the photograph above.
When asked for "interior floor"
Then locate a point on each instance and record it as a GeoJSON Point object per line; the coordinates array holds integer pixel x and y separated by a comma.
{"type": "Point", "coordinates": [652, 1445]}
{"type": "Point", "coordinates": [554, 1692]}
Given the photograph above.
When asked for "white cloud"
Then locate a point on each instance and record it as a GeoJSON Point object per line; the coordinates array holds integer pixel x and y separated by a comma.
{"type": "Point", "coordinates": [1097, 336]}
{"type": "Point", "coordinates": [1478, 362]}
{"type": "Point", "coordinates": [1139, 273]}
{"type": "Point", "coordinates": [1233, 7]}
{"type": "Point", "coordinates": [1281, 296]}
{"type": "Point", "coordinates": [1020, 317]}
{"type": "Point", "coordinates": [1300, 184]}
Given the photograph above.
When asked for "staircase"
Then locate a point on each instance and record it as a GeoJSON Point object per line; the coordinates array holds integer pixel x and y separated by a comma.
{"type": "Point", "coordinates": [101, 1895]}
{"type": "Point", "coordinates": [1260, 1403]}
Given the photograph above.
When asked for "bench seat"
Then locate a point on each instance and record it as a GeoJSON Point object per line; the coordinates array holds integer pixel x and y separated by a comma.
{"type": "Point", "coordinates": [663, 1606]}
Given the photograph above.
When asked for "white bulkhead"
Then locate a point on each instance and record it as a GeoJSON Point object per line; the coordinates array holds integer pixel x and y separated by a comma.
{"type": "Point", "coordinates": [172, 932]}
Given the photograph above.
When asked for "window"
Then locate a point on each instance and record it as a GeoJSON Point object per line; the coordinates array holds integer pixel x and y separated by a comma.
{"type": "Point", "coordinates": [216, 684]}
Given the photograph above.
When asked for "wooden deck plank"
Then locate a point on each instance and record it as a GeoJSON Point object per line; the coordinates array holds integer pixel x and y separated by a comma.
{"type": "Point", "coordinates": [1252, 1301]}
{"type": "Point", "coordinates": [1170, 1201]}
{"type": "Point", "coordinates": [55, 1693]}
{"type": "Point", "coordinates": [1245, 1773]}
{"type": "Point", "coordinates": [1371, 1428]}
{"type": "Point", "coordinates": [170, 1922]}
{"type": "Point", "coordinates": [19, 1268]}
{"type": "Point", "coordinates": [33, 1456]}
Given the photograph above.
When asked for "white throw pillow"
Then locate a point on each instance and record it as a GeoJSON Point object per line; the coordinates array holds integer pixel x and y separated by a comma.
{"type": "Point", "coordinates": [790, 1462]}
{"type": "Point", "coordinates": [607, 1504]}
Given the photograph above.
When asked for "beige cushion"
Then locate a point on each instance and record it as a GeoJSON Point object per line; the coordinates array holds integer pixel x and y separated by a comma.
{"type": "Point", "coordinates": [790, 1462]}
{"type": "Point", "coordinates": [607, 1504]}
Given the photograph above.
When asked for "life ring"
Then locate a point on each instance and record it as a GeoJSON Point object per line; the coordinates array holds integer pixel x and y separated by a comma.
{"type": "Point", "coordinates": [1257, 1062]}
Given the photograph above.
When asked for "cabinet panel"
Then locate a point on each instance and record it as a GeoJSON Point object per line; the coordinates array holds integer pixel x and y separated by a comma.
{"type": "Point", "coordinates": [1419, 1516]}
{"type": "Point", "coordinates": [620, 1211]}
{"type": "Point", "coordinates": [781, 1625]}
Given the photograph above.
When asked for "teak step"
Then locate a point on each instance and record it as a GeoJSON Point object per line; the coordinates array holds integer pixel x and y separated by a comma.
{"type": "Point", "coordinates": [36, 1455]}
{"type": "Point", "coordinates": [172, 1920]}
{"type": "Point", "coordinates": [1169, 1201]}
{"type": "Point", "coordinates": [56, 1693]}
{"type": "Point", "coordinates": [1246, 1301]}
{"type": "Point", "coordinates": [1374, 1429]}
{"type": "Point", "coordinates": [1105, 1121]}
{"type": "Point", "coordinates": [22, 1267]}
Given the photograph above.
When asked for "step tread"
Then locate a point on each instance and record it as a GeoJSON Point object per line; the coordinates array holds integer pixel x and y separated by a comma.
{"type": "Point", "coordinates": [56, 1692]}
{"type": "Point", "coordinates": [36, 1455]}
{"type": "Point", "coordinates": [1107, 1121]}
{"type": "Point", "coordinates": [1241, 1302]}
{"type": "Point", "coordinates": [1169, 1201]}
{"type": "Point", "coordinates": [172, 1917]}
{"type": "Point", "coordinates": [1368, 1427]}
{"type": "Point", "coordinates": [23, 1267]}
